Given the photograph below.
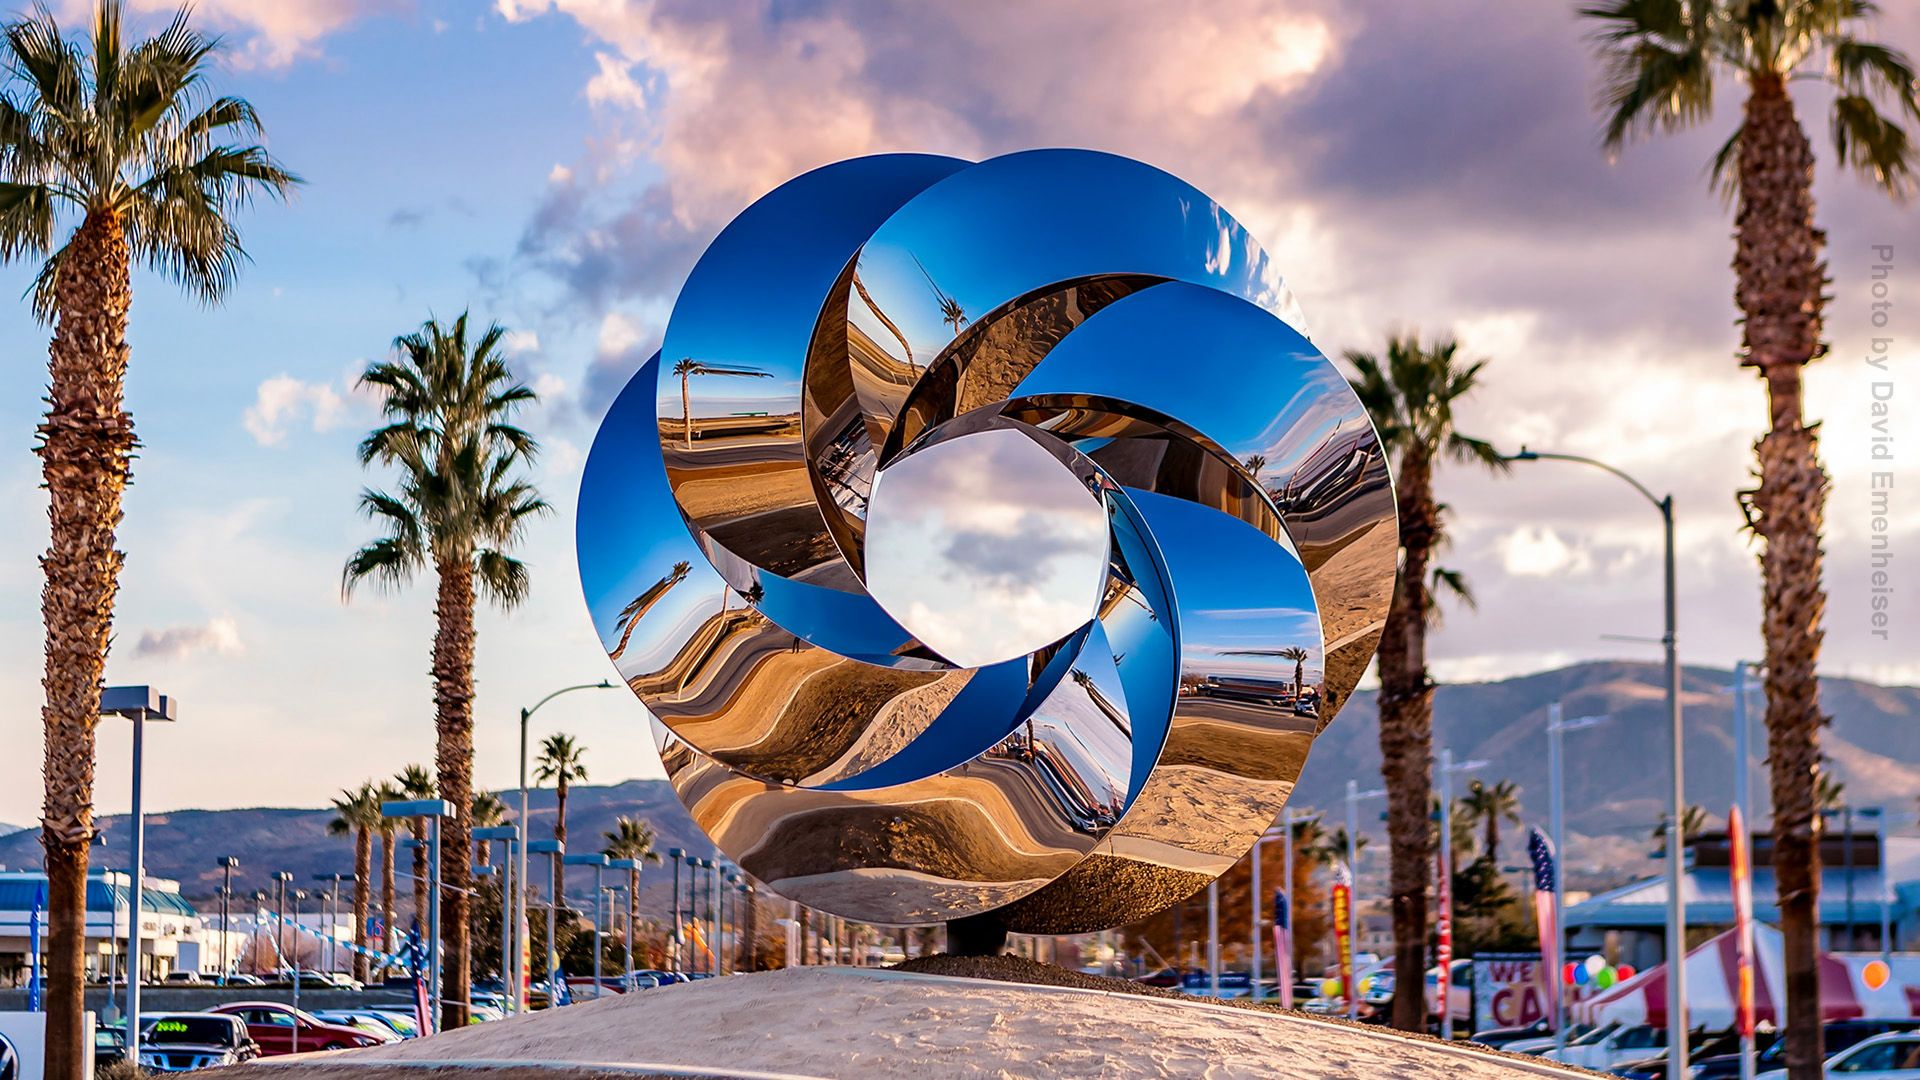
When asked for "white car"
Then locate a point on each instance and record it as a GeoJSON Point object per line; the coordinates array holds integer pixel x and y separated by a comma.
{"type": "Point", "coordinates": [1894, 1056]}
{"type": "Point", "coordinates": [1612, 1046]}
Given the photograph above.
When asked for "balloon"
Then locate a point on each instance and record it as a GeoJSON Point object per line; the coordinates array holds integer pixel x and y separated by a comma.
{"type": "Point", "coordinates": [1330, 988]}
{"type": "Point", "coordinates": [1580, 976]}
{"type": "Point", "coordinates": [1875, 974]}
{"type": "Point", "coordinates": [1569, 973]}
{"type": "Point", "coordinates": [1366, 984]}
{"type": "Point", "coordinates": [1604, 979]}
{"type": "Point", "coordinates": [1595, 963]}
{"type": "Point", "coordinates": [1624, 972]}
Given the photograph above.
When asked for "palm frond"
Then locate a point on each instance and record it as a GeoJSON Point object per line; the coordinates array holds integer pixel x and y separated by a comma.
{"type": "Point", "coordinates": [1874, 145]}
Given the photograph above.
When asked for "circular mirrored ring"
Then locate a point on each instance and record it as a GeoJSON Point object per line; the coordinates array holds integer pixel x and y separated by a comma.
{"type": "Point", "coordinates": [987, 538]}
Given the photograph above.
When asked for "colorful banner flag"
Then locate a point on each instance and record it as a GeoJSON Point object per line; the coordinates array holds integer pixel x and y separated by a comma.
{"type": "Point", "coordinates": [1282, 947]}
{"type": "Point", "coordinates": [1546, 915]}
{"type": "Point", "coordinates": [1443, 952]}
{"type": "Point", "coordinates": [1343, 934]}
{"type": "Point", "coordinates": [1742, 920]}
{"type": "Point", "coordinates": [33, 948]}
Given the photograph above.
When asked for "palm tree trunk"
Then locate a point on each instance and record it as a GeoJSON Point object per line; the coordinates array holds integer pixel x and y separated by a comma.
{"type": "Point", "coordinates": [633, 904]}
{"type": "Point", "coordinates": [362, 878]}
{"type": "Point", "coordinates": [1779, 279]}
{"type": "Point", "coordinates": [1406, 739]}
{"type": "Point", "coordinates": [84, 448]}
{"type": "Point", "coordinates": [386, 890]}
{"type": "Point", "coordinates": [686, 413]}
{"type": "Point", "coordinates": [453, 707]}
{"type": "Point", "coordinates": [559, 833]}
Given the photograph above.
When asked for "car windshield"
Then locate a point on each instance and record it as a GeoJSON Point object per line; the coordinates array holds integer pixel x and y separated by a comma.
{"type": "Point", "coordinates": [205, 1030]}
{"type": "Point", "coordinates": [1595, 1035]}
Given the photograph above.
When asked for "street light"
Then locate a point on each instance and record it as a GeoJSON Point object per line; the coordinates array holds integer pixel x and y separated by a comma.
{"type": "Point", "coordinates": [1354, 795]}
{"type": "Point", "coordinates": [1446, 770]}
{"type": "Point", "coordinates": [227, 865]}
{"type": "Point", "coordinates": [333, 917]}
{"type": "Point", "coordinates": [1557, 785]}
{"type": "Point", "coordinates": [510, 887]}
{"type": "Point", "coordinates": [138, 704]}
{"type": "Point", "coordinates": [280, 880]}
{"type": "Point", "coordinates": [520, 871]}
{"type": "Point", "coordinates": [599, 864]}
{"type": "Point", "coordinates": [1676, 903]}
{"type": "Point", "coordinates": [434, 810]}
{"type": "Point", "coordinates": [553, 850]}
{"type": "Point", "coordinates": [298, 895]}
{"type": "Point", "coordinates": [676, 856]}
{"type": "Point", "coordinates": [633, 867]}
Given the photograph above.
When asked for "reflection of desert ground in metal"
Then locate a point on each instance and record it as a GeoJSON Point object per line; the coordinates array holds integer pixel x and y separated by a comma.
{"type": "Point", "coordinates": [1354, 596]}
{"type": "Point", "coordinates": [752, 695]}
{"type": "Point", "coordinates": [877, 1024]}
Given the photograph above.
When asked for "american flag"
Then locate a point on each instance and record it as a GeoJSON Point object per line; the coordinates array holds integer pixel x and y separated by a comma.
{"type": "Point", "coordinates": [1546, 916]}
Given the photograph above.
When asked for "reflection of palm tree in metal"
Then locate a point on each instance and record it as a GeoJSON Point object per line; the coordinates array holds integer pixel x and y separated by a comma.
{"type": "Point", "coordinates": [1256, 463]}
{"type": "Point", "coordinates": [1118, 718]}
{"type": "Point", "coordinates": [1292, 652]}
{"type": "Point", "coordinates": [689, 367]}
{"type": "Point", "coordinates": [951, 312]}
{"type": "Point", "coordinates": [630, 615]}
{"type": "Point", "coordinates": [867, 298]}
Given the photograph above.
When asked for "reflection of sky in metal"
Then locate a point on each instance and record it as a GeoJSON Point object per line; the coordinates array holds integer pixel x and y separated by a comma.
{"type": "Point", "coordinates": [1235, 588]}
{"type": "Point", "coordinates": [985, 547]}
{"type": "Point", "coordinates": [1019, 222]}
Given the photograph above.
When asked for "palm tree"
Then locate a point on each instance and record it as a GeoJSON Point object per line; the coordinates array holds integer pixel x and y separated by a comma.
{"type": "Point", "coordinates": [1693, 822]}
{"type": "Point", "coordinates": [631, 614]}
{"type": "Point", "coordinates": [632, 838]}
{"type": "Point", "coordinates": [415, 782]}
{"type": "Point", "coordinates": [122, 138]}
{"type": "Point", "coordinates": [1410, 396]}
{"type": "Point", "coordinates": [1662, 59]}
{"type": "Point", "coordinates": [461, 507]}
{"type": "Point", "coordinates": [561, 762]}
{"type": "Point", "coordinates": [488, 811]}
{"type": "Point", "coordinates": [358, 813]}
{"type": "Point", "coordinates": [689, 367]}
{"type": "Point", "coordinates": [1489, 805]}
{"type": "Point", "coordinates": [387, 793]}
{"type": "Point", "coordinates": [1828, 793]}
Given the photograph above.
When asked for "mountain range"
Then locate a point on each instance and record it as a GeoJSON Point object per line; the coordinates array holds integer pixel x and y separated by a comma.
{"type": "Point", "coordinates": [1616, 779]}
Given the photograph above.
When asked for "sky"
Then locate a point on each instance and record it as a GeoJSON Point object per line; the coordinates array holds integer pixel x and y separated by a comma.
{"type": "Point", "coordinates": [557, 166]}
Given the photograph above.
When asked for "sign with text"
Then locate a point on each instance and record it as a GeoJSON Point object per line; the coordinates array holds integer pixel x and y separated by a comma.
{"type": "Point", "coordinates": [1510, 990]}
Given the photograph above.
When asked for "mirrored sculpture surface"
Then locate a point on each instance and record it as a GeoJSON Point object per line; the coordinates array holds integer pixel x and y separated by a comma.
{"type": "Point", "coordinates": [987, 538]}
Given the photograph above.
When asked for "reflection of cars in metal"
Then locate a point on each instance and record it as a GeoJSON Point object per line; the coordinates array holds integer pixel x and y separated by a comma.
{"type": "Point", "coordinates": [179, 1042]}
{"type": "Point", "coordinates": [282, 1029]}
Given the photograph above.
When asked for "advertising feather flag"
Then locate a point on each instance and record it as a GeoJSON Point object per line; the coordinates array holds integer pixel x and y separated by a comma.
{"type": "Point", "coordinates": [1546, 872]}
{"type": "Point", "coordinates": [1282, 947]}
{"type": "Point", "coordinates": [33, 948]}
{"type": "Point", "coordinates": [1343, 933]}
{"type": "Point", "coordinates": [1742, 874]}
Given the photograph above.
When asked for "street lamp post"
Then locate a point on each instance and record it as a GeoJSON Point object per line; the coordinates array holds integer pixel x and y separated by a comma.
{"type": "Point", "coordinates": [632, 866]}
{"type": "Point", "coordinates": [1676, 902]}
{"type": "Point", "coordinates": [333, 917]}
{"type": "Point", "coordinates": [1448, 767]}
{"type": "Point", "coordinates": [298, 895]}
{"type": "Point", "coordinates": [554, 850]}
{"type": "Point", "coordinates": [1556, 777]}
{"type": "Point", "coordinates": [599, 864]}
{"type": "Point", "coordinates": [435, 810]}
{"type": "Point", "coordinates": [520, 870]}
{"type": "Point", "coordinates": [676, 856]}
{"type": "Point", "coordinates": [227, 865]}
{"type": "Point", "coordinates": [1354, 795]}
{"type": "Point", "coordinates": [138, 704]}
{"type": "Point", "coordinates": [280, 880]}
{"type": "Point", "coordinates": [510, 886]}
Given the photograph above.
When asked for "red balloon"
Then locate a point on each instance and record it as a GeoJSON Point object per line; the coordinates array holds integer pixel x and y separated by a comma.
{"type": "Point", "coordinates": [1622, 973]}
{"type": "Point", "coordinates": [1566, 973]}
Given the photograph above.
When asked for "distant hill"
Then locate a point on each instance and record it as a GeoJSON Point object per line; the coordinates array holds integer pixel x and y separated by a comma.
{"type": "Point", "coordinates": [1616, 777]}
{"type": "Point", "coordinates": [7, 830]}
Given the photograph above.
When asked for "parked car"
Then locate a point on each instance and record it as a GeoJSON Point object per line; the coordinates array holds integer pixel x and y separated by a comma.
{"type": "Point", "coordinates": [185, 978]}
{"type": "Point", "coordinates": [282, 1029]}
{"type": "Point", "coordinates": [1501, 1038]}
{"type": "Point", "coordinates": [399, 1023]}
{"type": "Point", "coordinates": [353, 1018]}
{"type": "Point", "coordinates": [1614, 1046]}
{"type": "Point", "coordinates": [179, 1042]}
{"type": "Point", "coordinates": [1459, 994]}
{"type": "Point", "coordinates": [109, 1047]}
{"type": "Point", "coordinates": [1835, 1037]}
{"type": "Point", "coordinates": [1893, 1056]}
{"type": "Point", "coordinates": [241, 978]}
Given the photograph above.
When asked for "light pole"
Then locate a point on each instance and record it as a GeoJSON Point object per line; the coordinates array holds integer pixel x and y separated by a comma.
{"type": "Point", "coordinates": [227, 865]}
{"type": "Point", "coordinates": [435, 810]}
{"type": "Point", "coordinates": [280, 880]}
{"type": "Point", "coordinates": [1354, 795]}
{"type": "Point", "coordinates": [138, 704]}
{"type": "Point", "coordinates": [1676, 903]}
{"type": "Point", "coordinates": [510, 885]}
{"type": "Point", "coordinates": [1557, 784]}
{"type": "Point", "coordinates": [554, 850]}
{"type": "Point", "coordinates": [333, 917]}
{"type": "Point", "coordinates": [520, 870]}
{"type": "Point", "coordinates": [1448, 767]}
{"type": "Point", "coordinates": [1253, 970]}
{"type": "Point", "coordinates": [599, 864]}
{"type": "Point", "coordinates": [297, 895]}
{"type": "Point", "coordinates": [675, 856]}
{"type": "Point", "coordinates": [632, 866]}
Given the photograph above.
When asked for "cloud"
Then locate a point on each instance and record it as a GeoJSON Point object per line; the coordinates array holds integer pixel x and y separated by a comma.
{"type": "Point", "coordinates": [267, 33]}
{"type": "Point", "coordinates": [220, 636]}
{"type": "Point", "coordinates": [282, 399]}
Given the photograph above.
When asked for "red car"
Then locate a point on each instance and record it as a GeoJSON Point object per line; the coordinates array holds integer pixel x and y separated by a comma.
{"type": "Point", "coordinates": [282, 1029]}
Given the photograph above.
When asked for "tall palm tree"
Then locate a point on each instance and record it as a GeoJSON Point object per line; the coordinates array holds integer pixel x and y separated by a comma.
{"type": "Point", "coordinates": [688, 368]}
{"type": "Point", "coordinates": [387, 793]}
{"type": "Point", "coordinates": [110, 151]}
{"type": "Point", "coordinates": [632, 838]}
{"type": "Point", "coordinates": [415, 782]}
{"type": "Point", "coordinates": [488, 811]}
{"type": "Point", "coordinates": [561, 762]}
{"type": "Point", "coordinates": [1693, 822]}
{"type": "Point", "coordinates": [1662, 59]}
{"type": "Point", "coordinates": [1410, 395]}
{"type": "Point", "coordinates": [1489, 805]}
{"type": "Point", "coordinates": [357, 812]}
{"type": "Point", "coordinates": [461, 506]}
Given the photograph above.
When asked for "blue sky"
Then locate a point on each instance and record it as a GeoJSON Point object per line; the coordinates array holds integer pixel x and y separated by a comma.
{"type": "Point", "coordinates": [557, 165]}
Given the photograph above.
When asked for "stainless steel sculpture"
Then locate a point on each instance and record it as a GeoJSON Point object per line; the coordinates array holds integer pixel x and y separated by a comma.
{"type": "Point", "coordinates": [987, 538]}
